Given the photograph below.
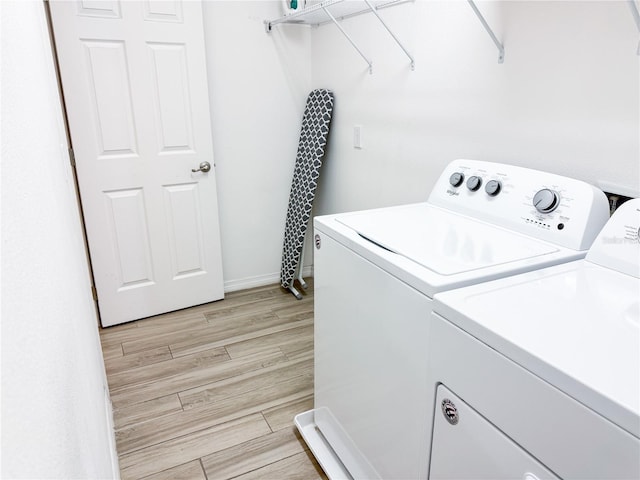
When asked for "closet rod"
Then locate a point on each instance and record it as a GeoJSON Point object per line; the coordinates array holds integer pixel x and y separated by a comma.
{"type": "Point", "coordinates": [490, 32]}
{"type": "Point", "coordinates": [636, 17]}
{"type": "Point", "coordinates": [373, 10]}
{"type": "Point", "coordinates": [337, 24]}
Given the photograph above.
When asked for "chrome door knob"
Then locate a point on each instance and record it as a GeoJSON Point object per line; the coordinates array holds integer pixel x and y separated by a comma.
{"type": "Point", "coordinates": [204, 167]}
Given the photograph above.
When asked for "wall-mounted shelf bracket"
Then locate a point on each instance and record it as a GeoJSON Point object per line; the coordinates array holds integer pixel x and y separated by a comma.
{"type": "Point", "coordinates": [373, 10]}
{"type": "Point", "coordinates": [337, 24]}
{"type": "Point", "coordinates": [332, 11]}
{"type": "Point", "coordinates": [636, 16]}
{"type": "Point", "coordinates": [489, 31]}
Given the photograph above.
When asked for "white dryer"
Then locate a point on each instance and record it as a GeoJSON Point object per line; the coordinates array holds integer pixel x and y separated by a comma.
{"type": "Point", "coordinates": [538, 375]}
{"type": "Point", "coordinates": [376, 273]}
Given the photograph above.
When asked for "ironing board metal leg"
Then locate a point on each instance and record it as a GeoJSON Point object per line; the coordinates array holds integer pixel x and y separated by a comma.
{"type": "Point", "coordinates": [295, 292]}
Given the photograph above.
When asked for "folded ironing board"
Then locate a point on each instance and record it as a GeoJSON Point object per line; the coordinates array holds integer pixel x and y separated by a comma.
{"type": "Point", "coordinates": [313, 139]}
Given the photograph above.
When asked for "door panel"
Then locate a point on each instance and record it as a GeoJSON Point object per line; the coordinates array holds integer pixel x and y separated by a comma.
{"type": "Point", "coordinates": [129, 236]}
{"type": "Point", "coordinates": [163, 11]}
{"type": "Point", "coordinates": [184, 219]}
{"type": "Point", "coordinates": [135, 87]}
{"type": "Point", "coordinates": [99, 8]}
{"type": "Point", "coordinates": [172, 97]}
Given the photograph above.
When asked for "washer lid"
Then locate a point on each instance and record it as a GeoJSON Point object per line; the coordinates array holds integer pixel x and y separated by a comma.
{"type": "Point", "coordinates": [575, 325]}
{"type": "Point", "coordinates": [444, 242]}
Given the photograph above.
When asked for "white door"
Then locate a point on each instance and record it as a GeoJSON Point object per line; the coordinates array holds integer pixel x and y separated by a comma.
{"type": "Point", "coordinates": [135, 87]}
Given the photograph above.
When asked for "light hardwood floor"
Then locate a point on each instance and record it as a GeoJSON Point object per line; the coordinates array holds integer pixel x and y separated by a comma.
{"type": "Point", "coordinates": [210, 392]}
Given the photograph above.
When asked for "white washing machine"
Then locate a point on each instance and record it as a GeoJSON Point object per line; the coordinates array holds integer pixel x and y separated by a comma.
{"type": "Point", "coordinates": [538, 375]}
{"type": "Point", "coordinates": [375, 274]}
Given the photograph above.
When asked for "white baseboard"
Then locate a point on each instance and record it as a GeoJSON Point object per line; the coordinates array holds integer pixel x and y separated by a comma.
{"type": "Point", "coordinates": [260, 280]}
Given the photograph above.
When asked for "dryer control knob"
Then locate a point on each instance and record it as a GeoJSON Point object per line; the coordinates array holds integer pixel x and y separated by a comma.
{"type": "Point", "coordinates": [493, 187]}
{"type": "Point", "coordinates": [474, 183]}
{"type": "Point", "coordinates": [456, 179]}
{"type": "Point", "coordinates": [546, 200]}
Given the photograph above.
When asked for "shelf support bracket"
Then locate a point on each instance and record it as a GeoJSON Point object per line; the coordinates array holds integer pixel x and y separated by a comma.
{"type": "Point", "coordinates": [489, 31]}
{"type": "Point", "coordinates": [337, 24]}
{"type": "Point", "coordinates": [636, 16]}
{"type": "Point", "coordinates": [375, 12]}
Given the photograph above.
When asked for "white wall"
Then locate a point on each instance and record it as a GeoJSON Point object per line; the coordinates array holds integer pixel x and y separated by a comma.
{"type": "Point", "coordinates": [565, 100]}
{"type": "Point", "coordinates": [258, 88]}
{"type": "Point", "coordinates": [54, 409]}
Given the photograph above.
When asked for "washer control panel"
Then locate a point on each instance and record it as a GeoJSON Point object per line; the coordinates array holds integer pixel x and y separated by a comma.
{"type": "Point", "coordinates": [474, 183]}
{"type": "Point", "coordinates": [562, 210]}
{"type": "Point", "coordinates": [493, 187]}
{"type": "Point", "coordinates": [546, 200]}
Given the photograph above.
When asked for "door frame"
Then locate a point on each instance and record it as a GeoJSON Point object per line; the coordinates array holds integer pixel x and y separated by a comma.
{"type": "Point", "coordinates": [67, 131]}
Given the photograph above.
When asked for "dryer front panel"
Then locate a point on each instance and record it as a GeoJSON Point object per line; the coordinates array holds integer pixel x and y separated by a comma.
{"type": "Point", "coordinates": [467, 446]}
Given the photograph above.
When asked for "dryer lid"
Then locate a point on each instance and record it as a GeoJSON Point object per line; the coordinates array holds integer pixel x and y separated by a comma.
{"type": "Point", "coordinates": [442, 241]}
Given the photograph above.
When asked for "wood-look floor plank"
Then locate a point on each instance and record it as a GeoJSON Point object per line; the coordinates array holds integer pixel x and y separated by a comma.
{"type": "Point", "coordinates": [118, 328]}
{"type": "Point", "coordinates": [150, 337]}
{"type": "Point", "coordinates": [281, 416]}
{"type": "Point", "coordinates": [242, 309]}
{"type": "Point", "coordinates": [163, 429]}
{"type": "Point", "coordinates": [257, 292]}
{"type": "Point", "coordinates": [178, 317]}
{"type": "Point", "coordinates": [198, 375]}
{"type": "Point", "coordinates": [144, 329]}
{"type": "Point", "coordinates": [187, 471]}
{"type": "Point", "coordinates": [238, 413]}
{"type": "Point", "coordinates": [204, 343]}
{"type": "Point", "coordinates": [244, 384]}
{"type": "Point", "coordinates": [144, 411]}
{"type": "Point", "coordinates": [301, 307]}
{"type": "Point", "coordinates": [223, 328]}
{"type": "Point", "coordinates": [192, 446]}
{"type": "Point", "coordinates": [280, 339]}
{"type": "Point", "coordinates": [147, 357]}
{"type": "Point", "coordinates": [112, 351]}
{"type": "Point", "coordinates": [297, 467]}
{"type": "Point", "coordinates": [168, 368]}
{"type": "Point", "coordinates": [301, 348]}
{"type": "Point", "coordinates": [252, 455]}
{"type": "Point", "coordinates": [245, 297]}
{"type": "Point", "coordinates": [223, 311]}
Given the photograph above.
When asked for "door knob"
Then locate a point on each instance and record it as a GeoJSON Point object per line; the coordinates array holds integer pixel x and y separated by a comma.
{"type": "Point", "coordinates": [204, 167]}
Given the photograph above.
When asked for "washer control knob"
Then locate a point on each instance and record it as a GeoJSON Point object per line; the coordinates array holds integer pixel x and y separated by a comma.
{"type": "Point", "coordinates": [456, 179]}
{"type": "Point", "coordinates": [474, 183]}
{"type": "Point", "coordinates": [546, 200]}
{"type": "Point", "coordinates": [493, 187]}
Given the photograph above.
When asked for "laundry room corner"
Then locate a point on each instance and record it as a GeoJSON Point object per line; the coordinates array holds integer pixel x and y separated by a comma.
{"type": "Point", "coordinates": [258, 86]}
{"type": "Point", "coordinates": [566, 99]}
